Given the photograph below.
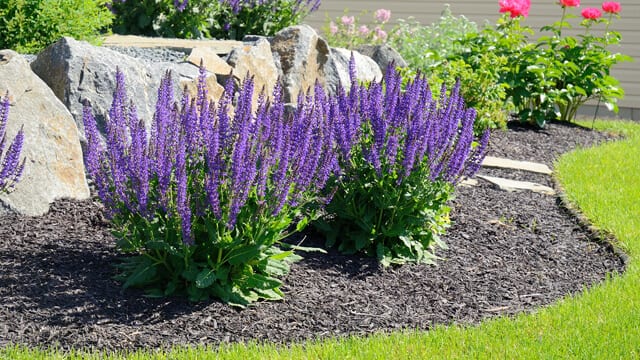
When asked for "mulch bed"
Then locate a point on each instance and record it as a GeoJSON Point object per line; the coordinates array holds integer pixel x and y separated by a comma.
{"type": "Point", "coordinates": [508, 253]}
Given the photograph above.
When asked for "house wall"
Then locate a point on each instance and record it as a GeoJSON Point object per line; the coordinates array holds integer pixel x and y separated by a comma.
{"type": "Point", "coordinates": [543, 12]}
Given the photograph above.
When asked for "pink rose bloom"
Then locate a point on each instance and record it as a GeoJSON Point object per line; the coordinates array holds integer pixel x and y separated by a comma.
{"type": "Point", "coordinates": [382, 15]}
{"type": "Point", "coordinates": [591, 13]}
{"type": "Point", "coordinates": [364, 30]}
{"type": "Point", "coordinates": [611, 7]}
{"type": "Point", "coordinates": [333, 28]}
{"type": "Point", "coordinates": [348, 20]}
{"type": "Point", "coordinates": [569, 3]}
{"type": "Point", "coordinates": [515, 8]}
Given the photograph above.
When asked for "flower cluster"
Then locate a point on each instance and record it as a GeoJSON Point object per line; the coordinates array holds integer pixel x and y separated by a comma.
{"type": "Point", "coordinates": [611, 7]}
{"type": "Point", "coordinates": [401, 153]}
{"type": "Point", "coordinates": [12, 168]}
{"type": "Point", "coordinates": [569, 3]}
{"type": "Point", "coordinates": [346, 32]}
{"type": "Point", "coordinates": [591, 13]}
{"type": "Point", "coordinates": [515, 8]}
{"type": "Point", "coordinates": [211, 185]}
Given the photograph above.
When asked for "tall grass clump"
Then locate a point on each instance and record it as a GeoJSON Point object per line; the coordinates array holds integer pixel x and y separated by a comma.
{"type": "Point", "coordinates": [12, 168]}
{"type": "Point", "coordinates": [401, 153]}
{"type": "Point", "coordinates": [203, 200]}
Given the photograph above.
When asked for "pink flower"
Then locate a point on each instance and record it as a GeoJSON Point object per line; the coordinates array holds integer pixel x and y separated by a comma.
{"type": "Point", "coordinates": [380, 34]}
{"type": "Point", "coordinates": [364, 30]}
{"type": "Point", "coordinates": [515, 8]}
{"type": "Point", "coordinates": [348, 20]}
{"type": "Point", "coordinates": [569, 3]}
{"type": "Point", "coordinates": [333, 28]}
{"type": "Point", "coordinates": [591, 13]}
{"type": "Point", "coordinates": [611, 7]}
{"type": "Point", "coordinates": [382, 15]}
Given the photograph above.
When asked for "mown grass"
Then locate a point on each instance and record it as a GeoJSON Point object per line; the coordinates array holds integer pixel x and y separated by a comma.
{"type": "Point", "coordinates": [602, 322]}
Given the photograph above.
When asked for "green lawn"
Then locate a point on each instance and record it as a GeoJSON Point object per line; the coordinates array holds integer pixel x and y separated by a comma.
{"type": "Point", "coordinates": [601, 323]}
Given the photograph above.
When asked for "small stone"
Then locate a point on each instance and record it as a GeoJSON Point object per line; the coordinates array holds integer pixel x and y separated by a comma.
{"type": "Point", "coordinates": [496, 162]}
{"type": "Point", "coordinates": [514, 185]}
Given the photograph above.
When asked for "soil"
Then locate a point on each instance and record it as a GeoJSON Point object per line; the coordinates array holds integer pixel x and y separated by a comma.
{"type": "Point", "coordinates": [508, 253]}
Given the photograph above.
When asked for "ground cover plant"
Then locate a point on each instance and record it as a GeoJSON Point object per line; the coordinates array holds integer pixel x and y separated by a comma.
{"type": "Point", "coordinates": [221, 19]}
{"type": "Point", "coordinates": [29, 26]}
{"type": "Point", "coordinates": [12, 167]}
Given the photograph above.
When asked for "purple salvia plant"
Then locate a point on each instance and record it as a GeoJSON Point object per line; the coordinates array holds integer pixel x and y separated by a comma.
{"type": "Point", "coordinates": [12, 168]}
{"type": "Point", "coordinates": [182, 197]}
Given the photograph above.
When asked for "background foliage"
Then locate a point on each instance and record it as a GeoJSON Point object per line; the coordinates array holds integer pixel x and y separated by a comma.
{"type": "Point", "coordinates": [28, 26]}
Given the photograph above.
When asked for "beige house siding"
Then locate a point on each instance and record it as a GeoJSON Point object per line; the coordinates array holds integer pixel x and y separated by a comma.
{"type": "Point", "coordinates": [543, 12]}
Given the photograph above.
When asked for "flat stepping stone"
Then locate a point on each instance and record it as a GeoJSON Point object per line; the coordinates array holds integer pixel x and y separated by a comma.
{"type": "Point", "coordinates": [514, 185]}
{"type": "Point", "coordinates": [218, 46]}
{"type": "Point", "coordinates": [497, 162]}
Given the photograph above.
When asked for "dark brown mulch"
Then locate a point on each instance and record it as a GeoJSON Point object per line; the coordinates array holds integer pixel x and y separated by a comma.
{"type": "Point", "coordinates": [508, 252]}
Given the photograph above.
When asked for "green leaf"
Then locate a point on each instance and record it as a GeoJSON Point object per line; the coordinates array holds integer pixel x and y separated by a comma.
{"type": "Point", "coordinates": [206, 278]}
{"type": "Point", "coordinates": [142, 275]}
{"type": "Point", "coordinates": [302, 224]}
{"type": "Point", "coordinates": [244, 254]}
{"type": "Point", "coordinates": [259, 281]}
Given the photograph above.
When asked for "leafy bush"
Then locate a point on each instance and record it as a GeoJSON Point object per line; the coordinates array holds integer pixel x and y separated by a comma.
{"type": "Point", "coordinates": [581, 68]}
{"type": "Point", "coordinates": [550, 78]}
{"type": "Point", "coordinates": [223, 19]}
{"type": "Point", "coordinates": [11, 167]}
{"type": "Point", "coordinates": [443, 51]}
{"type": "Point", "coordinates": [204, 204]}
{"type": "Point", "coordinates": [28, 26]}
{"type": "Point", "coordinates": [401, 154]}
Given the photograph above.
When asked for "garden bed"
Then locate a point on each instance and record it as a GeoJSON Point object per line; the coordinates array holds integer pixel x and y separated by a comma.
{"type": "Point", "coordinates": [508, 253]}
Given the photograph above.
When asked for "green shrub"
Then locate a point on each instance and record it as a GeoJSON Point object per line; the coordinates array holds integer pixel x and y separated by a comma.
{"type": "Point", "coordinates": [28, 26]}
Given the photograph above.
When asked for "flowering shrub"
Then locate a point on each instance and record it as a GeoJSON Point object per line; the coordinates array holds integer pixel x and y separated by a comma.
{"type": "Point", "coordinates": [11, 166]}
{"type": "Point", "coordinates": [401, 153]}
{"type": "Point", "coordinates": [551, 78]}
{"type": "Point", "coordinates": [223, 19]}
{"type": "Point", "coordinates": [348, 32]}
{"type": "Point", "coordinates": [579, 68]}
{"type": "Point", "coordinates": [29, 26]}
{"type": "Point", "coordinates": [204, 204]}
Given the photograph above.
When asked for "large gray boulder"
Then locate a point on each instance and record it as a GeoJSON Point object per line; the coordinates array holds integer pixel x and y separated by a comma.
{"type": "Point", "coordinates": [303, 57]}
{"type": "Point", "coordinates": [366, 69]}
{"type": "Point", "coordinates": [54, 166]}
{"type": "Point", "coordinates": [255, 59]}
{"type": "Point", "coordinates": [383, 55]}
{"type": "Point", "coordinates": [77, 71]}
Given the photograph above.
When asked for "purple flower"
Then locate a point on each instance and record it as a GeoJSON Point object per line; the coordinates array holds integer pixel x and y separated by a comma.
{"type": "Point", "coordinates": [180, 5]}
{"type": "Point", "coordinates": [182, 197]}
